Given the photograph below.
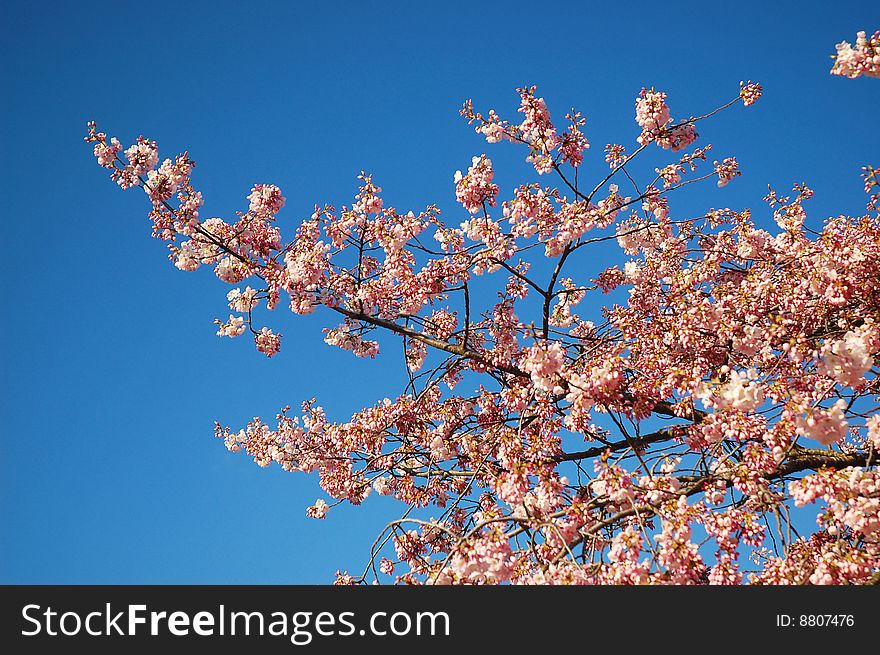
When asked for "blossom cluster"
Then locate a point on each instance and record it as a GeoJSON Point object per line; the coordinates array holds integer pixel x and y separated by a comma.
{"type": "Point", "coordinates": [347, 336]}
{"type": "Point", "coordinates": [849, 358]}
{"type": "Point", "coordinates": [476, 189]}
{"type": "Point", "coordinates": [750, 92]}
{"type": "Point", "coordinates": [652, 115]}
{"type": "Point", "coordinates": [740, 392]}
{"type": "Point", "coordinates": [852, 495]}
{"type": "Point", "coordinates": [863, 58]}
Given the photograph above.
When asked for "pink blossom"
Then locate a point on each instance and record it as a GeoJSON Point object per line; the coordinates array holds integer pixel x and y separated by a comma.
{"type": "Point", "coordinates": [536, 128]}
{"type": "Point", "coordinates": [727, 170]}
{"type": "Point", "coordinates": [416, 352]}
{"type": "Point", "coordinates": [573, 142]}
{"type": "Point", "coordinates": [678, 137]}
{"type": "Point", "coordinates": [476, 188]}
{"type": "Point", "coordinates": [347, 337]}
{"type": "Point", "coordinates": [873, 425]}
{"type": "Point", "coordinates": [308, 264]}
{"type": "Point", "coordinates": [487, 560]}
{"type": "Point", "coordinates": [142, 156]}
{"type": "Point", "coordinates": [159, 186]}
{"type": "Point", "coordinates": [106, 153]}
{"type": "Point", "coordinates": [367, 199]}
{"type": "Point", "coordinates": [318, 510]}
{"type": "Point", "coordinates": [656, 204]}
{"type": "Point", "coordinates": [542, 363]}
{"type": "Point", "coordinates": [615, 154]}
{"type": "Point", "coordinates": [234, 327]}
{"type": "Point", "coordinates": [825, 425]}
{"type": "Point", "coordinates": [344, 579]}
{"type": "Point", "coordinates": [863, 59]}
{"type": "Point", "coordinates": [671, 175]}
{"type": "Point", "coordinates": [492, 128]}
{"type": "Point", "coordinates": [599, 384]}
{"type": "Point", "coordinates": [848, 359]}
{"type": "Point", "coordinates": [383, 486]}
{"type": "Point", "coordinates": [852, 494]}
{"type": "Point", "coordinates": [266, 200]}
{"type": "Point", "coordinates": [652, 114]}
{"type": "Point", "coordinates": [186, 260]}
{"type": "Point", "coordinates": [542, 161]}
{"type": "Point", "coordinates": [230, 270]}
{"type": "Point", "coordinates": [268, 342]}
{"type": "Point", "coordinates": [749, 92]}
{"type": "Point", "coordinates": [242, 301]}
{"type": "Point", "coordinates": [740, 392]}
{"type": "Point", "coordinates": [635, 235]}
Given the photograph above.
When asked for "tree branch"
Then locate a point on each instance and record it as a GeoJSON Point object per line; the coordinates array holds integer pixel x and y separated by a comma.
{"type": "Point", "coordinates": [661, 435]}
{"type": "Point", "coordinates": [428, 340]}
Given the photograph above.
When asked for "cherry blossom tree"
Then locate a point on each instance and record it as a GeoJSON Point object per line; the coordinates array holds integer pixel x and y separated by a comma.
{"type": "Point", "coordinates": [664, 421]}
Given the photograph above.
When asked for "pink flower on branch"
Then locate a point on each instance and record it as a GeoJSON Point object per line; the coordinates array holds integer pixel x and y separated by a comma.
{"type": "Point", "coordinates": [266, 200]}
{"type": "Point", "coordinates": [475, 190]}
{"type": "Point", "coordinates": [699, 388]}
{"type": "Point", "coordinates": [863, 58]}
{"type": "Point", "coordinates": [318, 510]}
{"type": "Point", "coordinates": [652, 115]}
{"type": "Point", "coordinates": [750, 92]}
{"type": "Point", "coordinates": [268, 342]}
{"type": "Point", "coordinates": [727, 170]}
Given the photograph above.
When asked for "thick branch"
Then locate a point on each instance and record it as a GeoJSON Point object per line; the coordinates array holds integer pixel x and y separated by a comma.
{"type": "Point", "coordinates": [661, 435]}
{"type": "Point", "coordinates": [802, 459]}
{"type": "Point", "coordinates": [667, 409]}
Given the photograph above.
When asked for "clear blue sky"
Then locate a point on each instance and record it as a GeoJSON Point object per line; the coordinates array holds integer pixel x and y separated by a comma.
{"type": "Point", "coordinates": [112, 376]}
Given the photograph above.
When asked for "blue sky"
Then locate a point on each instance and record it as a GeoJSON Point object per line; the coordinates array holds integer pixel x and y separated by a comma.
{"type": "Point", "coordinates": [112, 375]}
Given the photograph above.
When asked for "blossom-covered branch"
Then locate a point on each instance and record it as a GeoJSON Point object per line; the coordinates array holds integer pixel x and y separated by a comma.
{"type": "Point", "coordinates": [660, 420]}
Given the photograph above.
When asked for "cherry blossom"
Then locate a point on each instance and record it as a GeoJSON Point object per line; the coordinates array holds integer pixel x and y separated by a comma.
{"type": "Point", "coordinates": [542, 363]}
{"type": "Point", "coordinates": [861, 59]}
{"type": "Point", "coordinates": [658, 420]}
{"type": "Point", "coordinates": [750, 92]}
{"type": "Point", "coordinates": [267, 342]}
{"type": "Point", "coordinates": [476, 188]}
{"type": "Point", "coordinates": [234, 327]}
{"type": "Point", "coordinates": [849, 358]}
{"type": "Point", "coordinates": [825, 425]}
{"type": "Point", "coordinates": [318, 510]}
{"type": "Point", "coordinates": [740, 392]}
{"type": "Point", "coordinates": [266, 200]}
{"type": "Point", "coordinates": [727, 170]}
